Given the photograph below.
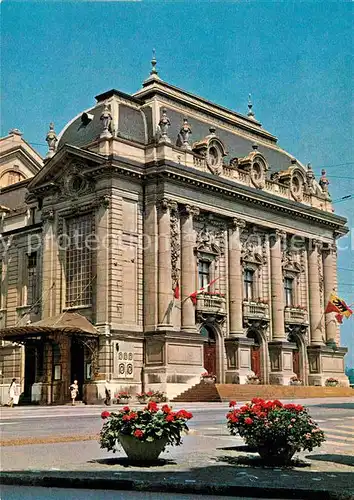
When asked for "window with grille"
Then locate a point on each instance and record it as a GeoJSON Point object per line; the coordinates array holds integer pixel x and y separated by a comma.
{"type": "Point", "coordinates": [248, 284]}
{"type": "Point", "coordinates": [203, 273]}
{"type": "Point", "coordinates": [289, 291]}
{"type": "Point", "coordinates": [79, 261]}
{"type": "Point", "coordinates": [32, 279]}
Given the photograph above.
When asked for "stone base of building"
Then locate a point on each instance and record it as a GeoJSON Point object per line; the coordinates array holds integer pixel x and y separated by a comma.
{"type": "Point", "coordinates": [281, 362]}
{"type": "Point", "coordinates": [173, 361]}
{"type": "Point", "coordinates": [238, 353]}
{"type": "Point", "coordinates": [326, 362]}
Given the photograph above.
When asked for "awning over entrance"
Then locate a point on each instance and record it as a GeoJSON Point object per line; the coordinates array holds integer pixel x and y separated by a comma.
{"type": "Point", "coordinates": [66, 323]}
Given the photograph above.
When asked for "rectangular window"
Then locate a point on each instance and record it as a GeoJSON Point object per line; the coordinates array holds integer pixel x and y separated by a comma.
{"type": "Point", "coordinates": [32, 279]}
{"type": "Point", "coordinates": [79, 261]}
{"type": "Point", "coordinates": [203, 273]}
{"type": "Point", "coordinates": [248, 284]}
{"type": "Point", "coordinates": [289, 292]}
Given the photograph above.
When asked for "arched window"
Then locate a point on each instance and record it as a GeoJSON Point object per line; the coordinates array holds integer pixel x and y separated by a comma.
{"type": "Point", "coordinates": [11, 177]}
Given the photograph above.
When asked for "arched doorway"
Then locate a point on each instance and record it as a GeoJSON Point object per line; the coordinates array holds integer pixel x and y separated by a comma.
{"type": "Point", "coordinates": [209, 348]}
{"type": "Point", "coordinates": [298, 364]}
{"type": "Point", "coordinates": [256, 357]}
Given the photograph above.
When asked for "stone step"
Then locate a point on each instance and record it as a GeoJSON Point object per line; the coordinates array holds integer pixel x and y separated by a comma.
{"type": "Point", "coordinates": [225, 392]}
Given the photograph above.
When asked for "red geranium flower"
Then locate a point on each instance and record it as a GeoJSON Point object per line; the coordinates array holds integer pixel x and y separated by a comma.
{"type": "Point", "coordinates": [166, 409]}
{"type": "Point", "coordinates": [248, 421]}
{"type": "Point", "coordinates": [184, 414]}
{"type": "Point", "coordinates": [152, 406]}
{"type": "Point", "coordinates": [138, 433]}
{"type": "Point", "coordinates": [170, 417]}
{"type": "Point", "coordinates": [126, 418]}
{"type": "Point", "coordinates": [232, 403]}
{"type": "Point", "coordinates": [105, 414]}
{"type": "Point", "coordinates": [125, 408]}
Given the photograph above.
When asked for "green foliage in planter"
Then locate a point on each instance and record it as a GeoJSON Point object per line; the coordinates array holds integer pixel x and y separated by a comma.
{"type": "Point", "coordinates": [274, 425]}
{"type": "Point", "coordinates": [150, 424]}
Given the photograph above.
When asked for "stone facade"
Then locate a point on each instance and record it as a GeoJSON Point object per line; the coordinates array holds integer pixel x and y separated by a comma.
{"type": "Point", "coordinates": [167, 192]}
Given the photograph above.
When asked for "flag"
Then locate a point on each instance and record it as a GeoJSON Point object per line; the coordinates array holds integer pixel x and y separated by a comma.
{"type": "Point", "coordinates": [193, 296]}
{"type": "Point", "coordinates": [176, 291]}
{"type": "Point", "coordinates": [337, 305]}
{"type": "Point", "coordinates": [339, 318]}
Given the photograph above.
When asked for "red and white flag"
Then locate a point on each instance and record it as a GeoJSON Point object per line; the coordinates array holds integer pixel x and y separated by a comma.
{"type": "Point", "coordinates": [193, 296]}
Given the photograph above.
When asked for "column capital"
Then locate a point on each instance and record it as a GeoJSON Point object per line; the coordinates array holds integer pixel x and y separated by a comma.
{"type": "Point", "coordinates": [47, 215]}
{"type": "Point", "coordinates": [330, 249]}
{"type": "Point", "coordinates": [280, 233]}
{"type": "Point", "coordinates": [166, 204]}
{"type": "Point", "coordinates": [190, 211]}
{"type": "Point", "coordinates": [315, 245]}
{"type": "Point", "coordinates": [237, 223]}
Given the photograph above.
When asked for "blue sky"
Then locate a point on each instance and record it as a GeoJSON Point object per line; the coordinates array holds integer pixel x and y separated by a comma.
{"type": "Point", "coordinates": [294, 58]}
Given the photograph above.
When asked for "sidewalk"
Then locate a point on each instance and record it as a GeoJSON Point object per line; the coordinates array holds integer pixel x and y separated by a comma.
{"type": "Point", "coordinates": [217, 466]}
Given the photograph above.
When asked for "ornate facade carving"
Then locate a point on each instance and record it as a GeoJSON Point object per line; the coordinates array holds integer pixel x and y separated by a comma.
{"type": "Point", "coordinates": [210, 238]}
{"type": "Point", "coordinates": [175, 246]}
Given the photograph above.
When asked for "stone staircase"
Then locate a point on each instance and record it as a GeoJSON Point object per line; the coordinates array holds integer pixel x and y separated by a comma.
{"type": "Point", "coordinates": [226, 392]}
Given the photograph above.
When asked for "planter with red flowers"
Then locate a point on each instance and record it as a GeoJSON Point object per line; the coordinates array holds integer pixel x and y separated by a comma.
{"type": "Point", "coordinates": [276, 430]}
{"type": "Point", "coordinates": [122, 398]}
{"type": "Point", "coordinates": [143, 434]}
{"type": "Point", "coordinates": [208, 378]}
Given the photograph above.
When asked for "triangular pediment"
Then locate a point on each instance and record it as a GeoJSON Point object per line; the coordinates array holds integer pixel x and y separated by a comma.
{"type": "Point", "coordinates": [68, 158]}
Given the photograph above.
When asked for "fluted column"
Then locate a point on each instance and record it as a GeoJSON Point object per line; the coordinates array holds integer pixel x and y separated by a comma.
{"type": "Point", "coordinates": [329, 272]}
{"type": "Point", "coordinates": [164, 263]}
{"type": "Point", "coordinates": [188, 268]}
{"type": "Point", "coordinates": [314, 292]}
{"type": "Point", "coordinates": [235, 277]}
{"type": "Point", "coordinates": [48, 264]}
{"type": "Point", "coordinates": [277, 286]}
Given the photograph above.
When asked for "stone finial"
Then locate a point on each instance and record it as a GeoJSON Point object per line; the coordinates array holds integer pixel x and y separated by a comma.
{"type": "Point", "coordinates": [15, 131]}
{"type": "Point", "coordinates": [185, 132]}
{"type": "Point", "coordinates": [153, 73]}
{"type": "Point", "coordinates": [293, 161]}
{"type": "Point", "coordinates": [164, 124]}
{"type": "Point", "coordinates": [255, 146]}
{"type": "Point", "coordinates": [250, 113]}
{"type": "Point", "coordinates": [212, 130]}
{"type": "Point", "coordinates": [106, 119]}
{"type": "Point", "coordinates": [51, 140]}
{"type": "Point", "coordinates": [324, 182]}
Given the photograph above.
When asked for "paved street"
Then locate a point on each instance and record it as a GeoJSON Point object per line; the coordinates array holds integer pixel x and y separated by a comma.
{"type": "Point", "coordinates": [38, 493]}
{"type": "Point", "coordinates": [41, 424]}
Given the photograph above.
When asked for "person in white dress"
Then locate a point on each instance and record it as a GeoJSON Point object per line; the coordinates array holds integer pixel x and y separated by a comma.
{"type": "Point", "coordinates": [14, 393]}
{"type": "Point", "coordinates": [74, 391]}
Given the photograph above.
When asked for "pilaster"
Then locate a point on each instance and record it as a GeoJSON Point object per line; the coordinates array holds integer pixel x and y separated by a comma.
{"type": "Point", "coordinates": [277, 291]}
{"type": "Point", "coordinates": [329, 271]}
{"type": "Point", "coordinates": [235, 278]}
{"type": "Point", "coordinates": [188, 267]}
{"type": "Point", "coordinates": [316, 312]}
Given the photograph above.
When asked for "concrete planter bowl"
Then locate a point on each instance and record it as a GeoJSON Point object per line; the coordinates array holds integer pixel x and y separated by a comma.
{"type": "Point", "coordinates": [142, 451]}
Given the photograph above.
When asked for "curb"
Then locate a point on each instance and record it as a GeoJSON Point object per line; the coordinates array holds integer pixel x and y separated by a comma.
{"type": "Point", "coordinates": [191, 487]}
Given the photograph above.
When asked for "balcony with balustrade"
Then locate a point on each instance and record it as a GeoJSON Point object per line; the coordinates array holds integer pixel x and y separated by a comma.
{"type": "Point", "coordinates": [211, 304]}
{"type": "Point", "coordinates": [255, 310]}
{"type": "Point", "coordinates": [295, 315]}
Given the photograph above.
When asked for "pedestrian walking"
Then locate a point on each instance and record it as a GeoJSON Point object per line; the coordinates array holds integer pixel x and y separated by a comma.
{"type": "Point", "coordinates": [14, 393]}
{"type": "Point", "coordinates": [74, 391]}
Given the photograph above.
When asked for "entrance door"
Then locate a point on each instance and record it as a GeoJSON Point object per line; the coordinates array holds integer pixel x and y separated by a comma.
{"type": "Point", "coordinates": [209, 349]}
{"type": "Point", "coordinates": [296, 362]}
{"type": "Point", "coordinates": [30, 370]}
{"type": "Point", "coordinates": [78, 365]}
{"type": "Point", "coordinates": [256, 360]}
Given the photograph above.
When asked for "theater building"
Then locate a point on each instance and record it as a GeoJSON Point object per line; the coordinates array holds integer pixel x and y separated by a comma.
{"type": "Point", "coordinates": [142, 201]}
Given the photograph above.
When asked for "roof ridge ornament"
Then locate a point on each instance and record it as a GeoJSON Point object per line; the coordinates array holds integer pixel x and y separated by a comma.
{"type": "Point", "coordinates": [52, 140]}
{"type": "Point", "coordinates": [250, 113]}
{"type": "Point", "coordinates": [164, 124]}
{"type": "Point", "coordinates": [153, 73]}
{"type": "Point", "coordinates": [184, 134]}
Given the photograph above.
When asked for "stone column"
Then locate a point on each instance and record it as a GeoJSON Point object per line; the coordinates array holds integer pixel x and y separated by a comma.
{"type": "Point", "coordinates": [329, 272]}
{"type": "Point", "coordinates": [165, 293]}
{"type": "Point", "coordinates": [101, 282]}
{"type": "Point", "coordinates": [188, 268]}
{"type": "Point", "coordinates": [277, 286]}
{"type": "Point", "coordinates": [316, 311]}
{"type": "Point", "coordinates": [235, 278]}
{"type": "Point", "coordinates": [48, 250]}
